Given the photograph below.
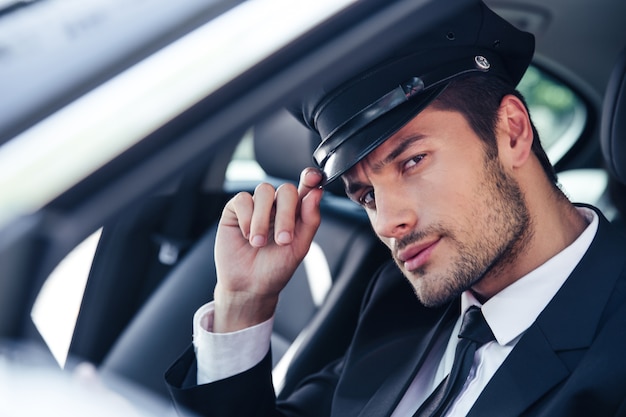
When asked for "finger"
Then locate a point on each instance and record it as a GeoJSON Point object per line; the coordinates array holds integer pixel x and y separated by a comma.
{"type": "Point", "coordinates": [285, 221]}
{"type": "Point", "coordinates": [238, 212]}
{"type": "Point", "coordinates": [310, 216]}
{"type": "Point", "coordinates": [262, 215]}
{"type": "Point", "coordinates": [310, 179]}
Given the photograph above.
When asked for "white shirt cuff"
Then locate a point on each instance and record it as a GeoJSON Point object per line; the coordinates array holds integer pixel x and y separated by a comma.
{"type": "Point", "coordinates": [222, 355]}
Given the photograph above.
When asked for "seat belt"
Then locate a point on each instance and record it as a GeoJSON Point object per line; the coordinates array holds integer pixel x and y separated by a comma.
{"type": "Point", "coordinates": [176, 234]}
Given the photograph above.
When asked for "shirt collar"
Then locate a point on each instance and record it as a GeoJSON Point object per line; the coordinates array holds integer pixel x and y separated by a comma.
{"type": "Point", "coordinates": [510, 312]}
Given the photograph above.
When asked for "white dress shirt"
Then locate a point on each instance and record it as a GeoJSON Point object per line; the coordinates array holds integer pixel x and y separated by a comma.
{"type": "Point", "coordinates": [508, 313]}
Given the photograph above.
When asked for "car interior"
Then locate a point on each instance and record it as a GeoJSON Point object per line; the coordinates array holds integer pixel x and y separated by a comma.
{"type": "Point", "coordinates": [153, 265]}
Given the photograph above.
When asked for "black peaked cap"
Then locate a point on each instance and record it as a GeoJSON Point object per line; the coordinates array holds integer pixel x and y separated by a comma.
{"type": "Point", "coordinates": [356, 117]}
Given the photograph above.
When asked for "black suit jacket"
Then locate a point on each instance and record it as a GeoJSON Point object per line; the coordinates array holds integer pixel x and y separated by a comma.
{"type": "Point", "coordinates": [570, 362]}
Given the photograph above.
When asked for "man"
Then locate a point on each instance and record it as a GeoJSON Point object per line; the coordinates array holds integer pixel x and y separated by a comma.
{"type": "Point", "coordinates": [439, 149]}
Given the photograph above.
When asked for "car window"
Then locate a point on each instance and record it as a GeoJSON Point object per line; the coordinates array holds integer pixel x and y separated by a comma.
{"type": "Point", "coordinates": [243, 166]}
{"type": "Point", "coordinates": [57, 305]}
{"type": "Point", "coordinates": [559, 114]}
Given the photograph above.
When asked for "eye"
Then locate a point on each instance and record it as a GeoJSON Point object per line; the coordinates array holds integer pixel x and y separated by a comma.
{"type": "Point", "coordinates": [413, 161]}
{"type": "Point", "coordinates": [367, 200]}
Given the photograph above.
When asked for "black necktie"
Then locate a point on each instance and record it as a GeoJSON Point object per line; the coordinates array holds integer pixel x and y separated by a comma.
{"type": "Point", "coordinates": [474, 333]}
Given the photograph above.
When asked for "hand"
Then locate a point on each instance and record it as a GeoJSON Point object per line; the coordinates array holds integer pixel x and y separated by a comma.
{"type": "Point", "coordinates": [261, 240]}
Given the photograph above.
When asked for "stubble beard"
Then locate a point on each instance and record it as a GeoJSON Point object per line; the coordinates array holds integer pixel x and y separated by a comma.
{"type": "Point", "coordinates": [507, 231]}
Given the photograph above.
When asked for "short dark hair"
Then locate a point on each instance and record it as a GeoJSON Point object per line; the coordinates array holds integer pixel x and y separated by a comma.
{"type": "Point", "coordinates": [478, 98]}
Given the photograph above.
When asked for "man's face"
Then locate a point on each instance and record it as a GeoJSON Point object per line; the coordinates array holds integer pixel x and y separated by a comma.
{"type": "Point", "coordinates": [449, 213]}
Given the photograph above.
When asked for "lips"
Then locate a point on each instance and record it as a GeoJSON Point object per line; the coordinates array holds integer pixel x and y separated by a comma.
{"type": "Point", "coordinates": [415, 256]}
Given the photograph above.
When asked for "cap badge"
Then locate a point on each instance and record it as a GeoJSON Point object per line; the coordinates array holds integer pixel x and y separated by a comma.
{"type": "Point", "coordinates": [482, 63]}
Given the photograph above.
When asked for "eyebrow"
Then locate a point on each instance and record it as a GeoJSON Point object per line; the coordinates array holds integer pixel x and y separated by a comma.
{"type": "Point", "coordinates": [353, 186]}
{"type": "Point", "coordinates": [397, 151]}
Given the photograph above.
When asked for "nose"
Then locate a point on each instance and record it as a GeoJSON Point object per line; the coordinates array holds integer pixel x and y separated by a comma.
{"type": "Point", "coordinates": [395, 214]}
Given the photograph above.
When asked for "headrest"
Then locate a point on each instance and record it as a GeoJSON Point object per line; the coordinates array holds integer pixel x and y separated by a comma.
{"type": "Point", "coordinates": [362, 112]}
{"type": "Point", "coordinates": [613, 127]}
{"type": "Point", "coordinates": [283, 146]}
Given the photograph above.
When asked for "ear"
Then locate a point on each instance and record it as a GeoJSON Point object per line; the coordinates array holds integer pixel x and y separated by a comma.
{"type": "Point", "coordinates": [515, 134]}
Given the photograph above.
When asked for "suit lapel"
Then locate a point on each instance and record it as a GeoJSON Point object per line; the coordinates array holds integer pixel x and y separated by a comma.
{"type": "Point", "coordinates": [530, 371]}
{"type": "Point", "coordinates": [569, 323]}
{"type": "Point", "coordinates": [415, 349]}
{"type": "Point", "coordinates": [393, 336]}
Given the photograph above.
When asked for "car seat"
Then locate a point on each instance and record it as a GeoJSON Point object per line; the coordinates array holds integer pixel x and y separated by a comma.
{"type": "Point", "coordinates": [613, 136]}
{"type": "Point", "coordinates": [318, 318]}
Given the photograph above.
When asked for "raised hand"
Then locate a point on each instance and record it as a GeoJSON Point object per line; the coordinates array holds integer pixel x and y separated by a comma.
{"type": "Point", "coordinates": [261, 240]}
